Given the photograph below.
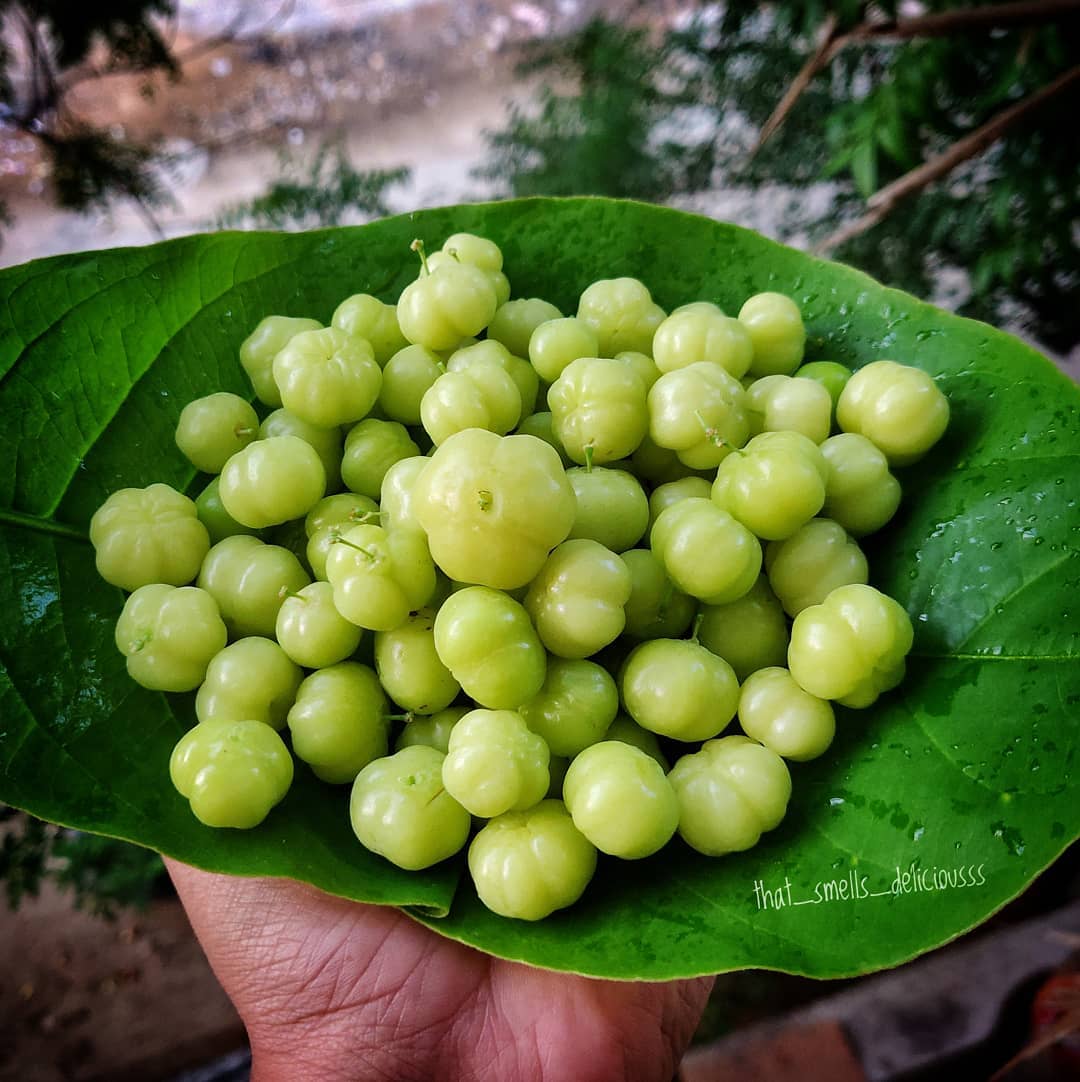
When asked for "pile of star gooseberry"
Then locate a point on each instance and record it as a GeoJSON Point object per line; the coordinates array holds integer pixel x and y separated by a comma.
{"type": "Point", "coordinates": [553, 601]}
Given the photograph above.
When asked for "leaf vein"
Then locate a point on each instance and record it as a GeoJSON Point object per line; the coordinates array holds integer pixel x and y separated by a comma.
{"type": "Point", "coordinates": [35, 726]}
{"type": "Point", "coordinates": [28, 344]}
{"type": "Point", "coordinates": [179, 328]}
{"type": "Point", "coordinates": [1010, 597]}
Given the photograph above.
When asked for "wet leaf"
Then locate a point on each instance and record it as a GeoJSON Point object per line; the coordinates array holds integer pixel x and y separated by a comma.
{"type": "Point", "coordinates": [933, 808]}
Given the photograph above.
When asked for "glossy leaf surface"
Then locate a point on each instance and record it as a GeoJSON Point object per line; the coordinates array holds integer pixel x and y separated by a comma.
{"type": "Point", "coordinates": [931, 810]}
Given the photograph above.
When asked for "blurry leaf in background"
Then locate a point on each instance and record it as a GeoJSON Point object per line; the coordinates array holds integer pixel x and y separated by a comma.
{"type": "Point", "coordinates": [24, 853]}
{"type": "Point", "coordinates": [325, 191]}
{"type": "Point", "coordinates": [604, 133]}
{"type": "Point", "coordinates": [103, 874]}
{"type": "Point", "coordinates": [106, 873]}
{"type": "Point", "coordinates": [90, 166]}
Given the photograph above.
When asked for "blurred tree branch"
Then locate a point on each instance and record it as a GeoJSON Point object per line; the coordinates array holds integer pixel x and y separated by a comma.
{"type": "Point", "coordinates": [120, 66]}
{"type": "Point", "coordinates": [961, 114]}
{"type": "Point", "coordinates": [935, 24]}
{"type": "Point", "coordinates": [884, 201]}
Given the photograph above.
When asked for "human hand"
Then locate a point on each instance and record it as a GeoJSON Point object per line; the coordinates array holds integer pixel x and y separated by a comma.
{"type": "Point", "coordinates": [334, 990]}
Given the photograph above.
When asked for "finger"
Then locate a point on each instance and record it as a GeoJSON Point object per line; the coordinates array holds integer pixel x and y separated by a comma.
{"type": "Point", "coordinates": [334, 977]}
{"type": "Point", "coordinates": [638, 1029]}
{"type": "Point", "coordinates": [277, 945]}
{"type": "Point", "coordinates": [250, 924]}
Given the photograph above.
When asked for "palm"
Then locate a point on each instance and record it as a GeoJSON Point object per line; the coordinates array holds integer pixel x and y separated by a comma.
{"type": "Point", "coordinates": [332, 989]}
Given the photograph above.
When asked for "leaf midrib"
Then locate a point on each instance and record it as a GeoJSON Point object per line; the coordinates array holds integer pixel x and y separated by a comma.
{"type": "Point", "coordinates": [37, 524]}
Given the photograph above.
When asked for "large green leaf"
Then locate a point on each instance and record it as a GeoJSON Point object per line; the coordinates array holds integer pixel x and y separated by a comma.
{"type": "Point", "coordinates": [968, 765]}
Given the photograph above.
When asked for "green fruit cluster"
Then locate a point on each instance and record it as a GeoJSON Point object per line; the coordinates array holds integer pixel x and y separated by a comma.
{"type": "Point", "coordinates": [500, 621]}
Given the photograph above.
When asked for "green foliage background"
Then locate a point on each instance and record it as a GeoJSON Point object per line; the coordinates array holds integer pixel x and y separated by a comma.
{"type": "Point", "coordinates": [1010, 217]}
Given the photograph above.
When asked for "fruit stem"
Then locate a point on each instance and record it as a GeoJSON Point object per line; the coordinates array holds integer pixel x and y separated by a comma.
{"type": "Point", "coordinates": [406, 717]}
{"type": "Point", "coordinates": [589, 451]}
{"type": "Point", "coordinates": [453, 252]}
{"type": "Point", "coordinates": [697, 626]}
{"type": "Point", "coordinates": [242, 430]}
{"type": "Point", "coordinates": [372, 556]}
{"type": "Point", "coordinates": [285, 592]}
{"type": "Point", "coordinates": [140, 643]}
{"type": "Point", "coordinates": [418, 247]}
